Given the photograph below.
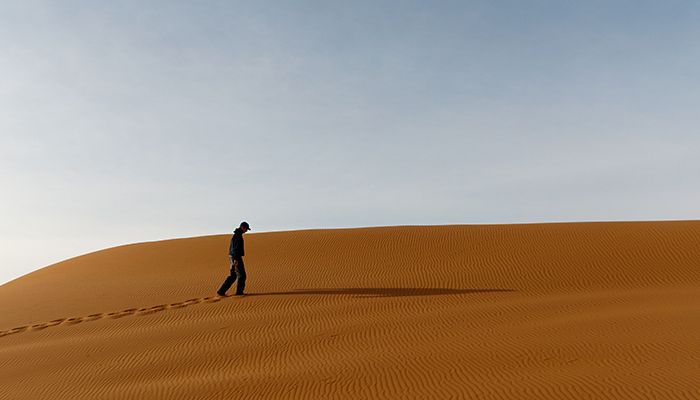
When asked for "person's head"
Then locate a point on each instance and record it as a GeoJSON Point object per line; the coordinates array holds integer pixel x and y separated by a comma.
{"type": "Point", "coordinates": [244, 227]}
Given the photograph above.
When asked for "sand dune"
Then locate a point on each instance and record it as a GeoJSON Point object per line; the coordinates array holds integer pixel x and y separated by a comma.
{"type": "Point", "coordinates": [570, 310]}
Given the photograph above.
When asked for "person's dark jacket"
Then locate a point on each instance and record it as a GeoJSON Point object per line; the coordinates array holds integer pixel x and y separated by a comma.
{"type": "Point", "coordinates": [236, 249]}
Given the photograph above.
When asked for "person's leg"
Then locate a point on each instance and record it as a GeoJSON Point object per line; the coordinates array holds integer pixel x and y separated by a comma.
{"type": "Point", "coordinates": [240, 271]}
{"type": "Point", "coordinates": [229, 279]}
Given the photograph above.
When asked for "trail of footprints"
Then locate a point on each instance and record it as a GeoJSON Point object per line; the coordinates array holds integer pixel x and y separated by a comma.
{"type": "Point", "coordinates": [112, 315]}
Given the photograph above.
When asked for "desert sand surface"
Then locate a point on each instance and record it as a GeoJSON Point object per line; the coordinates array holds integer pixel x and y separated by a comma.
{"type": "Point", "coordinates": [607, 310]}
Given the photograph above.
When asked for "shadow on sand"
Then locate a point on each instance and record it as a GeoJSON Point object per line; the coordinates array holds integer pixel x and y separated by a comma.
{"type": "Point", "coordinates": [381, 292]}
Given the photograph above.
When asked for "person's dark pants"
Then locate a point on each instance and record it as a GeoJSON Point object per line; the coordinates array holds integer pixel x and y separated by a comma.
{"type": "Point", "coordinates": [237, 272]}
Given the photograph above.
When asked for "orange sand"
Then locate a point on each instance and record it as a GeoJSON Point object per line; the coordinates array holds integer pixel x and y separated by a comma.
{"type": "Point", "coordinates": [570, 310]}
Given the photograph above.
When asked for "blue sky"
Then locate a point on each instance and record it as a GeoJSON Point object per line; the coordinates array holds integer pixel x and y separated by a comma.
{"type": "Point", "coordinates": [131, 121]}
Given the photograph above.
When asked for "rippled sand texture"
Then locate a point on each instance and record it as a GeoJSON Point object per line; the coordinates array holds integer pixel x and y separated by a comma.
{"type": "Point", "coordinates": [571, 310]}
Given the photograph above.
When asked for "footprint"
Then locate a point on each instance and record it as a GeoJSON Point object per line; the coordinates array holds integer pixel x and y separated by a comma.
{"type": "Point", "coordinates": [93, 317]}
{"type": "Point", "coordinates": [118, 314]}
{"type": "Point", "coordinates": [12, 331]}
{"type": "Point", "coordinates": [113, 315]}
{"type": "Point", "coordinates": [212, 299]}
{"type": "Point", "coordinates": [39, 327]}
{"type": "Point", "coordinates": [192, 301]}
{"type": "Point", "coordinates": [123, 313]}
{"type": "Point", "coordinates": [35, 327]}
{"type": "Point", "coordinates": [151, 310]}
{"type": "Point", "coordinates": [55, 322]}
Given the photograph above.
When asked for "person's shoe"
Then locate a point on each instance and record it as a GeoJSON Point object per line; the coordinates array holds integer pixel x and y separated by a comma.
{"type": "Point", "coordinates": [221, 294]}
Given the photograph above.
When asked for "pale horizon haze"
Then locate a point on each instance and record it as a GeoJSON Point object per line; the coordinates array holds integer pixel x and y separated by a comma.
{"type": "Point", "coordinates": [130, 121]}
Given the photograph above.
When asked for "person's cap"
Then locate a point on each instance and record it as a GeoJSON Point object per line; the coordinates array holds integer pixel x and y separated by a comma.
{"type": "Point", "coordinates": [245, 225]}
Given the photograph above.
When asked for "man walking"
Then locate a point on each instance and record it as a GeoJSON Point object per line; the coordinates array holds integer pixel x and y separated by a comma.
{"type": "Point", "coordinates": [236, 253]}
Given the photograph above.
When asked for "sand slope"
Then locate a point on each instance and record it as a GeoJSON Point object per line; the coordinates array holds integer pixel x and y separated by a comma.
{"type": "Point", "coordinates": [574, 310]}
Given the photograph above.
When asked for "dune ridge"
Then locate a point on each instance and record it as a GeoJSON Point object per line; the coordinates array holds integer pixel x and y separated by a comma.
{"type": "Point", "coordinates": [564, 310]}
